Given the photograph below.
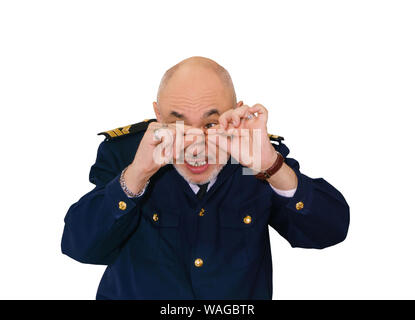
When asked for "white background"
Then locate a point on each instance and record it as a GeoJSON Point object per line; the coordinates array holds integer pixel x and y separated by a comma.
{"type": "Point", "coordinates": [338, 78]}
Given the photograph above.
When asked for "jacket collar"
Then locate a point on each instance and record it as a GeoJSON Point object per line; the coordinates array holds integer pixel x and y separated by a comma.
{"type": "Point", "coordinates": [226, 172]}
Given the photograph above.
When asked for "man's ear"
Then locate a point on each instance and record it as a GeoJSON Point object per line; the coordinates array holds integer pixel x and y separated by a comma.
{"type": "Point", "coordinates": [240, 104]}
{"type": "Point", "coordinates": [156, 111]}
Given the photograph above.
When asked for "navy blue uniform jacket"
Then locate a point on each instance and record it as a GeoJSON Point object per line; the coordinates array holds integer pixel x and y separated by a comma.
{"type": "Point", "coordinates": [150, 258]}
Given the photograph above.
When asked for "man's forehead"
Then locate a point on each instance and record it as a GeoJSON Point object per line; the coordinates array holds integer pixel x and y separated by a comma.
{"type": "Point", "coordinates": [194, 88]}
{"type": "Point", "coordinates": [208, 102]}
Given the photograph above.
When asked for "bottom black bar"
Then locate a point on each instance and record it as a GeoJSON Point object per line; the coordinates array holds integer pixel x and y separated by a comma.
{"type": "Point", "coordinates": [211, 309]}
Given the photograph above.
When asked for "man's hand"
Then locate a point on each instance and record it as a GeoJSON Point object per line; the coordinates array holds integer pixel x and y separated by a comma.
{"type": "Point", "coordinates": [243, 147]}
{"type": "Point", "coordinates": [155, 150]}
{"type": "Point", "coordinates": [242, 124]}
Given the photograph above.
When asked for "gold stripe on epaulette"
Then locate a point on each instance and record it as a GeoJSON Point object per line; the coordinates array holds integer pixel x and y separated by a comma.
{"type": "Point", "coordinates": [118, 132]}
{"type": "Point", "coordinates": [111, 133]}
{"type": "Point", "coordinates": [274, 137]}
{"type": "Point", "coordinates": [126, 129]}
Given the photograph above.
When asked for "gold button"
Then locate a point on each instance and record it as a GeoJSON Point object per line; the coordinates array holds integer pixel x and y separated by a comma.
{"type": "Point", "coordinates": [198, 262]}
{"type": "Point", "coordinates": [155, 217]}
{"type": "Point", "coordinates": [299, 205]}
{"type": "Point", "coordinates": [202, 212]}
{"type": "Point", "coordinates": [122, 205]}
{"type": "Point", "coordinates": [247, 220]}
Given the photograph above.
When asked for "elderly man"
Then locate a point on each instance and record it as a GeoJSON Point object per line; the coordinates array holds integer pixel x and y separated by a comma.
{"type": "Point", "coordinates": [186, 225]}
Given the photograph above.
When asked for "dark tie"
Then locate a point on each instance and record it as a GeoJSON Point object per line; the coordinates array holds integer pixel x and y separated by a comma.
{"type": "Point", "coordinates": [202, 190]}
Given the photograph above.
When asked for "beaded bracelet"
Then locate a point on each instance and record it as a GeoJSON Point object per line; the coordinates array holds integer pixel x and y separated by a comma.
{"type": "Point", "coordinates": [127, 191]}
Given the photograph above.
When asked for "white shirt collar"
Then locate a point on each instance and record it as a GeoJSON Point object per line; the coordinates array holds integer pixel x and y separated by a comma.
{"type": "Point", "coordinates": [196, 188]}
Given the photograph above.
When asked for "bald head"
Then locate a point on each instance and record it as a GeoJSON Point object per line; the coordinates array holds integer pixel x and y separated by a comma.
{"type": "Point", "coordinates": [197, 66]}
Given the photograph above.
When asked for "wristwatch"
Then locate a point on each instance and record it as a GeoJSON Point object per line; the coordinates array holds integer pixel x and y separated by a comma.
{"type": "Point", "coordinates": [266, 174]}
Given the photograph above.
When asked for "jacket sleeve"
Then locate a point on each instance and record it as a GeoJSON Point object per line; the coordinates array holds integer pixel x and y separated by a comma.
{"type": "Point", "coordinates": [97, 226]}
{"type": "Point", "coordinates": [317, 216]}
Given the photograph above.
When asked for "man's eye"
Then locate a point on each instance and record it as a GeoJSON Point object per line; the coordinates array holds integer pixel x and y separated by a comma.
{"type": "Point", "coordinates": [210, 125]}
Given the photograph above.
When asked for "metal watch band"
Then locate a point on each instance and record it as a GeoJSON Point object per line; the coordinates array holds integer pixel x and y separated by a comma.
{"type": "Point", "coordinates": [127, 191]}
{"type": "Point", "coordinates": [266, 174]}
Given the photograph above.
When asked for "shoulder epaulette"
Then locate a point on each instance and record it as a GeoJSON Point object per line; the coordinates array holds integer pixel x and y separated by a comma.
{"type": "Point", "coordinates": [274, 137]}
{"type": "Point", "coordinates": [130, 129]}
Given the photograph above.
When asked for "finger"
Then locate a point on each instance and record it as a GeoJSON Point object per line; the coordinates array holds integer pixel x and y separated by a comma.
{"type": "Point", "coordinates": [169, 142]}
{"type": "Point", "coordinates": [163, 135]}
{"type": "Point", "coordinates": [226, 141]}
{"type": "Point", "coordinates": [192, 131]}
{"type": "Point", "coordinates": [261, 110]}
{"type": "Point", "coordinates": [225, 118]}
{"type": "Point", "coordinates": [232, 116]}
{"type": "Point", "coordinates": [179, 126]}
{"type": "Point", "coordinates": [175, 126]}
{"type": "Point", "coordinates": [241, 111]}
{"type": "Point", "coordinates": [163, 150]}
{"type": "Point", "coordinates": [239, 114]}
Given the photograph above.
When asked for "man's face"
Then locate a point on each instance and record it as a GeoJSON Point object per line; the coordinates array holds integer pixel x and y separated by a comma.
{"type": "Point", "coordinates": [197, 97]}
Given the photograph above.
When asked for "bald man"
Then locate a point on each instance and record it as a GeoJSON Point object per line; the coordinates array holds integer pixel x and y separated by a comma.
{"type": "Point", "coordinates": [183, 202]}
